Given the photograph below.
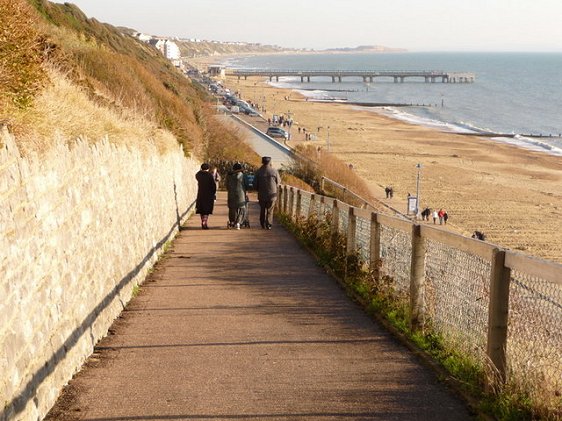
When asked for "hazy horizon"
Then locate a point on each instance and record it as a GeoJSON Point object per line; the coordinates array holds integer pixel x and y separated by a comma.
{"type": "Point", "coordinates": [433, 25]}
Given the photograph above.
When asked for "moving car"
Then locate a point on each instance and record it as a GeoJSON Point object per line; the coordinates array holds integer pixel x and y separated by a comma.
{"type": "Point", "coordinates": [277, 132]}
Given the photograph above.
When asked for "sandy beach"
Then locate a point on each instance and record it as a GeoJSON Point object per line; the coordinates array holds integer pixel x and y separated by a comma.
{"type": "Point", "coordinates": [511, 194]}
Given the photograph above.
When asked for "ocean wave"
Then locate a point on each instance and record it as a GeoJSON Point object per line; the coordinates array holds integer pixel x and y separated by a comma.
{"type": "Point", "coordinates": [532, 144]}
{"type": "Point", "coordinates": [411, 118]}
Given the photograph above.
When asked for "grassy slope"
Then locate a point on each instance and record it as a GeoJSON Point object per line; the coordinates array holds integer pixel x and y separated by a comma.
{"type": "Point", "coordinates": [72, 76]}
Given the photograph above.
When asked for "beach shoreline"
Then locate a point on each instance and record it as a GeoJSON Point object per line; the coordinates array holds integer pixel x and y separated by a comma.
{"type": "Point", "coordinates": [512, 194]}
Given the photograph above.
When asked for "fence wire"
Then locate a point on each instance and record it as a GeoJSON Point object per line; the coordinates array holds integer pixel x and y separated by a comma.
{"type": "Point", "coordinates": [534, 344]}
{"type": "Point", "coordinates": [363, 238]}
{"type": "Point", "coordinates": [457, 296]}
{"type": "Point", "coordinates": [396, 256]}
{"type": "Point", "coordinates": [457, 299]}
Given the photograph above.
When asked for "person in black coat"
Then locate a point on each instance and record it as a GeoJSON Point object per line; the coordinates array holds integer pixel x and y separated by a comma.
{"type": "Point", "coordinates": [207, 188]}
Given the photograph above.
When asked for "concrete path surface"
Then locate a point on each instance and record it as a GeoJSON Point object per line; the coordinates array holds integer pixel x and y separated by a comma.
{"type": "Point", "coordinates": [243, 325]}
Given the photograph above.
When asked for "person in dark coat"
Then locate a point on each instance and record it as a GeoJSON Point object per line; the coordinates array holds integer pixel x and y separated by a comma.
{"type": "Point", "coordinates": [266, 183]}
{"type": "Point", "coordinates": [236, 196]}
{"type": "Point", "coordinates": [206, 189]}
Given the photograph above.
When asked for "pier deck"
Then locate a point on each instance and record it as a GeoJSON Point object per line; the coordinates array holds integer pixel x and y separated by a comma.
{"type": "Point", "coordinates": [399, 76]}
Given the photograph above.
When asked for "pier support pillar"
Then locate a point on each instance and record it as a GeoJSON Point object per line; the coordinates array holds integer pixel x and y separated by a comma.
{"type": "Point", "coordinates": [395, 79]}
{"type": "Point", "coordinates": [333, 79]}
{"type": "Point", "coordinates": [371, 79]}
{"type": "Point", "coordinates": [402, 79]}
{"type": "Point", "coordinates": [339, 79]}
{"type": "Point", "coordinates": [308, 79]}
{"type": "Point", "coordinates": [302, 79]}
{"type": "Point", "coordinates": [277, 78]}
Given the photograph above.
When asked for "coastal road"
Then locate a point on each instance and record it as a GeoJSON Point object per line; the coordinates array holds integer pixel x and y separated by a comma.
{"type": "Point", "coordinates": [261, 143]}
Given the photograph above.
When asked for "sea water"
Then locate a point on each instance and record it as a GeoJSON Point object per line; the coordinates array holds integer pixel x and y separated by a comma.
{"type": "Point", "coordinates": [514, 93]}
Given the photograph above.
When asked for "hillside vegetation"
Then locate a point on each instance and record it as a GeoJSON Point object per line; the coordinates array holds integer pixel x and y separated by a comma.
{"type": "Point", "coordinates": [209, 48]}
{"type": "Point", "coordinates": [64, 76]}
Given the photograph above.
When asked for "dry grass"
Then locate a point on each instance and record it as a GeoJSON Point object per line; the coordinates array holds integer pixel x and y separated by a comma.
{"type": "Point", "coordinates": [77, 116]}
{"type": "Point", "coordinates": [321, 163]}
{"type": "Point", "coordinates": [291, 180]}
{"type": "Point", "coordinates": [21, 55]}
{"type": "Point", "coordinates": [222, 144]}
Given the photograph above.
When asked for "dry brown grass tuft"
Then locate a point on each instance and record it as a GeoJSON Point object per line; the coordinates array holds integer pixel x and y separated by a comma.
{"type": "Point", "coordinates": [291, 180]}
{"type": "Point", "coordinates": [325, 164]}
{"type": "Point", "coordinates": [21, 56]}
{"type": "Point", "coordinates": [64, 112]}
{"type": "Point", "coordinates": [222, 144]}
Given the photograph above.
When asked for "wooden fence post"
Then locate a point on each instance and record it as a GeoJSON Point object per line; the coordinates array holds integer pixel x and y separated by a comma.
{"type": "Point", "coordinates": [335, 222]}
{"type": "Point", "coordinates": [498, 310]}
{"type": "Point", "coordinates": [417, 280]}
{"type": "Point", "coordinates": [299, 205]}
{"type": "Point", "coordinates": [351, 232]}
{"type": "Point", "coordinates": [351, 246]}
{"type": "Point", "coordinates": [312, 205]}
{"type": "Point", "coordinates": [291, 202]}
{"type": "Point", "coordinates": [279, 202]}
{"type": "Point", "coordinates": [285, 204]}
{"type": "Point", "coordinates": [375, 252]}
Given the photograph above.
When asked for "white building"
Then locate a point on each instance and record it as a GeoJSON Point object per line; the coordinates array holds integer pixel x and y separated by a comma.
{"type": "Point", "coordinates": [171, 50]}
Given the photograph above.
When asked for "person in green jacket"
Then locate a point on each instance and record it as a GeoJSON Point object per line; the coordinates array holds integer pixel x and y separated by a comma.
{"type": "Point", "coordinates": [236, 196]}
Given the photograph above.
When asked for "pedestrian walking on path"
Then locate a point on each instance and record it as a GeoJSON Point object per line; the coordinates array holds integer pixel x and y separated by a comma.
{"type": "Point", "coordinates": [206, 190]}
{"type": "Point", "coordinates": [266, 183]}
{"type": "Point", "coordinates": [236, 196]}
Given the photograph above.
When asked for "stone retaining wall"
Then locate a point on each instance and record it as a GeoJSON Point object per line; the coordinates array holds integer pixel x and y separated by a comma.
{"type": "Point", "coordinates": [78, 229]}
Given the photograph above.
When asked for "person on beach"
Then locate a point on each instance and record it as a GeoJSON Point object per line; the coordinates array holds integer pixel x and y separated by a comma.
{"type": "Point", "coordinates": [206, 190]}
{"type": "Point", "coordinates": [435, 215]}
{"type": "Point", "coordinates": [266, 183]}
{"type": "Point", "coordinates": [425, 214]}
{"type": "Point", "coordinates": [440, 215]}
{"type": "Point", "coordinates": [389, 192]}
{"type": "Point", "coordinates": [445, 217]}
{"type": "Point", "coordinates": [237, 198]}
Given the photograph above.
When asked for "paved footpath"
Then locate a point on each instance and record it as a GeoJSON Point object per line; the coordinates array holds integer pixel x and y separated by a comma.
{"type": "Point", "coordinates": [243, 325]}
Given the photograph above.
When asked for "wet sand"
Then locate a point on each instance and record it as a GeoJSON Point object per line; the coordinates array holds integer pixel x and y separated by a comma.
{"type": "Point", "coordinates": [511, 194]}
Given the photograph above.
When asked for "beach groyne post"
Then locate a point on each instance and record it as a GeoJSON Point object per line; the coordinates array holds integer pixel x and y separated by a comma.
{"type": "Point", "coordinates": [417, 279]}
{"type": "Point", "coordinates": [498, 312]}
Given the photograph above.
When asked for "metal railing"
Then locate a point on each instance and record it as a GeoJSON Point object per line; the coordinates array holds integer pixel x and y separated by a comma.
{"type": "Point", "coordinates": [503, 309]}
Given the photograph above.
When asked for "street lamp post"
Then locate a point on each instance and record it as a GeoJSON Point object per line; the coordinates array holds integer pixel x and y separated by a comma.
{"type": "Point", "coordinates": [419, 167]}
{"type": "Point", "coordinates": [328, 139]}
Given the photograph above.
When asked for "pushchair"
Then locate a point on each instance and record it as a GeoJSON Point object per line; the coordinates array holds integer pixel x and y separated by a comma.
{"type": "Point", "coordinates": [245, 218]}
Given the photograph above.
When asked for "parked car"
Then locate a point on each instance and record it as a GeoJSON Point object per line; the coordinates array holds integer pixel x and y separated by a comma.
{"type": "Point", "coordinates": [277, 132]}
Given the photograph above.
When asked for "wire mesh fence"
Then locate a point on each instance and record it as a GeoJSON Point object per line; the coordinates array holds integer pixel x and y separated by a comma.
{"type": "Point", "coordinates": [534, 343]}
{"type": "Point", "coordinates": [457, 296]}
{"type": "Point", "coordinates": [459, 293]}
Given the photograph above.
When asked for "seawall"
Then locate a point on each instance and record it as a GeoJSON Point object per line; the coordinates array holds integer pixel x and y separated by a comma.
{"type": "Point", "coordinates": [79, 228]}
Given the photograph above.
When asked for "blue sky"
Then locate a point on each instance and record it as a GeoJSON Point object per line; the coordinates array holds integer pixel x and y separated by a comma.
{"type": "Point", "coordinates": [417, 25]}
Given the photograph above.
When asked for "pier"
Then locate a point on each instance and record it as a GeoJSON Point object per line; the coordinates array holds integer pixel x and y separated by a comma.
{"type": "Point", "coordinates": [398, 76]}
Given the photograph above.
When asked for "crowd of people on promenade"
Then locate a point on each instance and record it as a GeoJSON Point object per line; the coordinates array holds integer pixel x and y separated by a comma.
{"type": "Point", "coordinates": [265, 182]}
